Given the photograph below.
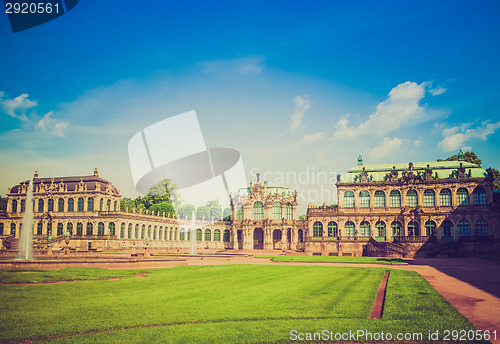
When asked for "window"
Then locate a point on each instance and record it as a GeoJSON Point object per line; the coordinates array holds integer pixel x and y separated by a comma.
{"type": "Point", "coordinates": [462, 196]}
{"type": "Point", "coordinates": [227, 235]}
{"type": "Point", "coordinates": [114, 206]}
{"type": "Point", "coordinates": [481, 228]}
{"type": "Point", "coordinates": [429, 198]}
{"type": "Point", "coordinates": [258, 211]}
{"type": "Point", "coordinates": [365, 229]}
{"type": "Point", "coordinates": [289, 211]}
{"type": "Point", "coordinates": [479, 196]}
{"type": "Point", "coordinates": [349, 199]}
{"type": "Point", "coordinates": [71, 204]}
{"type": "Point", "coordinates": [317, 229]}
{"type": "Point", "coordinates": [90, 204]}
{"type": "Point", "coordinates": [445, 196]}
{"type": "Point", "coordinates": [349, 228]}
{"type": "Point", "coordinates": [430, 228]}
{"type": "Point", "coordinates": [40, 205]}
{"type": "Point", "coordinates": [396, 228]}
{"type": "Point", "coordinates": [412, 198]}
{"type": "Point", "coordinates": [100, 228]}
{"type": "Point", "coordinates": [129, 231]}
{"type": "Point", "coordinates": [182, 235]}
{"type": "Point", "coordinates": [199, 234]}
{"type": "Point", "coordinates": [447, 229]}
{"type": "Point", "coordinates": [380, 227]}
{"type": "Point", "coordinates": [50, 205]}
{"type": "Point", "coordinates": [379, 199]}
{"type": "Point", "coordinates": [364, 199]}
{"type": "Point", "coordinates": [1, 228]}
{"type": "Point", "coordinates": [108, 205]}
{"type": "Point", "coordinates": [143, 232]}
{"type": "Point", "coordinates": [60, 229]}
{"type": "Point", "coordinates": [208, 235]}
{"type": "Point", "coordinates": [69, 228]}
{"type": "Point", "coordinates": [122, 230]}
{"type": "Point", "coordinates": [217, 235]}
{"type": "Point", "coordinates": [154, 232]}
{"type": "Point", "coordinates": [239, 214]}
{"type": "Point", "coordinates": [301, 235]}
{"type": "Point", "coordinates": [14, 206]}
{"type": "Point", "coordinates": [464, 228]}
{"type": "Point", "coordinates": [149, 233]}
{"type": "Point", "coordinates": [333, 229]}
{"type": "Point", "coordinates": [101, 204]}
{"type": "Point", "coordinates": [60, 205]}
{"type": "Point", "coordinates": [90, 228]}
{"type": "Point", "coordinates": [49, 228]}
{"type": "Point", "coordinates": [39, 228]}
{"type": "Point", "coordinates": [79, 229]}
{"type": "Point", "coordinates": [136, 232]}
{"type": "Point", "coordinates": [413, 228]}
{"type": "Point", "coordinates": [80, 204]}
{"type": "Point", "coordinates": [13, 229]}
{"type": "Point", "coordinates": [111, 228]}
{"type": "Point", "coordinates": [277, 211]}
{"type": "Point", "coordinates": [23, 205]}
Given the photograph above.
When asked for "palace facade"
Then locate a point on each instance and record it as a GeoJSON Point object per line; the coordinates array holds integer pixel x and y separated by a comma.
{"type": "Point", "coordinates": [384, 209]}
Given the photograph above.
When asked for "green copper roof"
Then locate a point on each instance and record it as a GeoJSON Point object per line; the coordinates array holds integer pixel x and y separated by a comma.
{"type": "Point", "coordinates": [444, 169]}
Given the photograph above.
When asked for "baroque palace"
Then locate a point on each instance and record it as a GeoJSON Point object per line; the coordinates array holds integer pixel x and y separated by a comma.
{"type": "Point", "coordinates": [434, 208]}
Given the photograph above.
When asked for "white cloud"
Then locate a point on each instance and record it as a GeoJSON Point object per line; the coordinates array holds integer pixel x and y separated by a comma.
{"type": "Point", "coordinates": [308, 139]}
{"type": "Point", "coordinates": [400, 108]}
{"type": "Point", "coordinates": [456, 137]}
{"type": "Point", "coordinates": [250, 65]}
{"type": "Point", "coordinates": [301, 105]}
{"type": "Point", "coordinates": [437, 91]}
{"type": "Point", "coordinates": [16, 107]}
{"type": "Point", "coordinates": [388, 146]}
{"type": "Point", "coordinates": [417, 143]}
{"type": "Point", "coordinates": [51, 125]}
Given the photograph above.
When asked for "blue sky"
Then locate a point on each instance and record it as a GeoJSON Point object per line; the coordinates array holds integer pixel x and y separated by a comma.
{"type": "Point", "coordinates": [296, 87]}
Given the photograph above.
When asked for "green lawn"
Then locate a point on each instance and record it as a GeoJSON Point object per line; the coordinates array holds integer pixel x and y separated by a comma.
{"type": "Point", "coordinates": [333, 259]}
{"type": "Point", "coordinates": [221, 304]}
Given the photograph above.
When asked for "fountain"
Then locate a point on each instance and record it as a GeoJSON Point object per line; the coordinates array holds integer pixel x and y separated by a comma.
{"type": "Point", "coordinates": [26, 235]}
{"type": "Point", "coordinates": [192, 239]}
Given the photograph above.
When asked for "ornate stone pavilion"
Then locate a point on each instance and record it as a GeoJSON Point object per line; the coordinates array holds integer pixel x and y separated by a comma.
{"type": "Point", "coordinates": [402, 209]}
{"type": "Point", "coordinates": [265, 217]}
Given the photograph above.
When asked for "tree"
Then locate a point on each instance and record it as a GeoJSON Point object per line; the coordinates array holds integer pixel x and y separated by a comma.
{"type": "Point", "coordinates": [227, 214]}
{"type": "Point", "coordinates": [163, 207]}
{"type": "Point", "coordinates": [215, 210]}
{"type": "Point", "coordinates": [3, 204]}
{"type": "Point", "coordinates": [163, 191]}
{"type": "Point", "coordinates": [495, 174]}
{"type": "Point", "coordinates": [203, 212]}
{"type": "Point", "coordinates": [468, 156]}
{"type": "Point", "coordinates": [185, 211]}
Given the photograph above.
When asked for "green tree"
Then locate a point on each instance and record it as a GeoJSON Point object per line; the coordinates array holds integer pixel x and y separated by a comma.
{"type": "Point", "coordinates": [186, 211]}
{"type": "Point", "coordinates": [468, 156]}
{"type": "Point", "coordinates": [495, 174]}
{"type": "Point", "coordinates": [203, 212]}
{"type": "Point", "coordinates": [3, 204]}
{"type": "Point", "coordinates": [227, 214]}
{"type": "Point", "coordinates": [163, 207]}
{"type": "Point", "coordinates": [163, 191]}
{"type": "Point", "coordinates": [215, 210]}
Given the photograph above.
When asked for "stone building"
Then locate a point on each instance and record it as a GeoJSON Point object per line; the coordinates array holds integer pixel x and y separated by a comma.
{"type": "Point", "coordinates": [265, 218]}
{"type": "Point", "coordinates": [402, 209]}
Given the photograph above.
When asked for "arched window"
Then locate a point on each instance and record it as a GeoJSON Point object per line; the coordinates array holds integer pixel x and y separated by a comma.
{"type": "Point", "coordinates": [23, 205]}
{"type": "Point", "coordinates": [13, 229]}
{"type": "Point", "coordinates": [122, 230]}
{"type": "Point", "coordinates": [50, 205]}
{"type": "Point", "coordinates": [463, 196]}
{"type": "Point", "coordinates": [108, 205]}
{"type": "Point", "coordinates": [149, 233]}
{"type": "Point", "coordinates": [60, 229]}
{"type": "Point", "coordinates": [101, 204]}
{"type": "Point", "coordinates": [172, 234]}
{"type": "Point", "coordinates": [479, 196]}
{"type": "Point", "coordinates": [129, 231]}
{"type": "Point", "coordinates": [396, 229]}
{"type": "Point", "coordinates": [481, 228]}
{"type": "Point", "coordinates": [69, 228]}
{"type": "Point", "coordinates": [199, 234]}
{"type": "Point", "coordinates": [136, 232]}
{"type": "Point", "coordinates": [445, 197]}
{"type": "Point", "coordinates": [40, 206]}
{"type": "Point", "coordinates": [333, 230]}
{"type": "Point", "coordinates": [143, 232]}
{"type": "Point", "coordinates": [239, 214]}
{"type": "Point", "coordinates": [395, 199]}
{"type": "Point", "coordinates": [227, 235]}
{"type": "Point", "coordinates": [100, 228]}
{"type": "Point", "coordinates": [364, 229]}
{"type": "Point", "coordinates": [90, 204]}
{"type": "Point", "coordinates": [464, 228]}
{"type": "Point", "coordinates": [111, 228]}
{"type": "Point", "coordinates": [430, 228]}
{"type": "Point", "coordinates": [429, 198]}
{"type": "Point", "coordinates": [79, 229]}
{"type": "Point", "coordinates": [90, 228]}
{"type": "Point", "coordinates": [208, 235]}
{"type": "Point", "coordinates": [60, 205]}
{"type": "Point", "coordinates": [155, 229]}
{"type": "Point", "coordinates": [412, 198]}
{"type": "Point", "coordinates": [380, 227]}
{"type": "Point", "coordinates": [258, 211]}
{"type": "Point", "coordinates": [39, 228]}
{"type": "Point", "coordinates": [349, 199]}
{"type": "Point", "coordinates": [379, 199]}
{"type": "Point", "coordinates": [14, 206]}
{"type": "Point", "coordinates": [289, 211]}
{"type": "Point", "coordinates": [364, 199]}
{"type": "Point", "coordinates": [349, 229]}
{"type": "Point", "coordinates": [1, 228]}
{"type": "Point", "coordinates": [317, 229]}
{"type": "Point", "coordinates": [114, 206]}
{"type": "Point", "coordinates": [413, 228]}
{"type": "Point", "coordinates": [71, 204]}
{"type": "Point", "coordinates": [277, 211]}
{"type": "Point", "coordinates": [80, 204]}
{"type": "Point", "coordinates": [447, 230]}
{"type": "Point", "coordinates": [182, 234]}
{"type": "Point", "coordinates": [301, 235]}
{"type": "Point", "coordinates": [217, 235]}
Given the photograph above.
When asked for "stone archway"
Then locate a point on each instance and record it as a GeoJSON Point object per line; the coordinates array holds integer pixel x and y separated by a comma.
{"type": "Point", "coordinates": [258, 239]}
{"type": "Point", "coordinates": [277, 239]}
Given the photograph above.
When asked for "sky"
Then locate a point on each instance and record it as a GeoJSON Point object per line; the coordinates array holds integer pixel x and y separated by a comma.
{"type": "Point", "coordinates": [299, 88]}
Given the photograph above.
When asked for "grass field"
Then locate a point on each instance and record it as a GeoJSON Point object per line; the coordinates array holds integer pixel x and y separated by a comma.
{"type": "Point", "coordinates": [333, 259]}
{"type": "Point", "coordinates": [219, 304]}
